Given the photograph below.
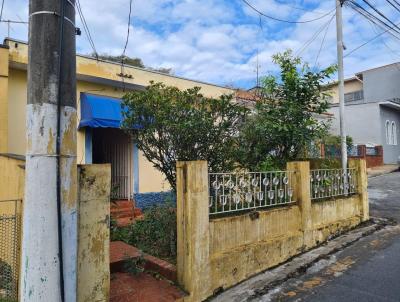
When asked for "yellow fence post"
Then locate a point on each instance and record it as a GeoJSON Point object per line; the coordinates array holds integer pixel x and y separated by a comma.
{"type": "Point", "coordinates": [193, 239]}
{"type": "Point", "coordinates": [301, 193]}
{"type": "Point", "coordinates": [362, 185]}
{"type": "Point", "coordinates": [94, 233]}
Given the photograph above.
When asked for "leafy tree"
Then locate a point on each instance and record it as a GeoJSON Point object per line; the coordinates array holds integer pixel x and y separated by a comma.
{"type": "Point", "coordinates": [118, 59]}
{"type": "Point", "coordinates": [183, 125]}
{"type": "Point", "coordinates": [137, 62]}
{"type": "Point", "coordinates": [333, 145]}
{"type": "Point", "coordinates": [284, 120]}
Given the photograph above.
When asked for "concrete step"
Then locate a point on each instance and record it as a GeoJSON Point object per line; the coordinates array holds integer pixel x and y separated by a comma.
{"type": "Point", "coordinates": [117, 211]}
{"type": "Point", "coordinates": [143, 287]}
{"type": "Point", "coordinates": [120, 252]}
{"type": "Point", "coordinates": [137, 212]}
{"type": "Point", "coordinates": [122, 205]}
{"type": "Point", "coordinates": [124, 221]}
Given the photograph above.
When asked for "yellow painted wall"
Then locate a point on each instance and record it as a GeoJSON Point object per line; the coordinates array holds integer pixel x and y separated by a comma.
{"type": "Point", "coordinates": [12, 184]}
{"type": "Point", "coordinates": [109, 71]}
{"type": "Point", "coordinates": [3, 99]}
{"type": "Point", "coordinates": [349, 86]}
{"type": "Point", "coordinates": [94, 233]}
{"type": "Point", "coordinates": [12, 178]}
{"type": "Point", "coordinates": [221, 252]}
{"type": "Point", "coordinates": [17, 96]}
{"type": "Point", "coordinates": [150, 179]}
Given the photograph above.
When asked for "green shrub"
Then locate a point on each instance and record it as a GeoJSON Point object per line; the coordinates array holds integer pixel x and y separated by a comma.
{"type": "Point", "coordinates": [119, 233]}
{"type": "Point", "coordinates": [155, 234]}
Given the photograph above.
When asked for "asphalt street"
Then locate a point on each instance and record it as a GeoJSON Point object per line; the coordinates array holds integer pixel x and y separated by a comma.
{"type": "Point", "coordinates": [368, 270]}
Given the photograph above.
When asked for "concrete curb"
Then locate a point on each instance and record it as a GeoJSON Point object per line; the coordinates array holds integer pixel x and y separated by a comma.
{"type": "Point", "coordinates": [263, 282]}
{"type": "Point", "coordinates": [372, 175]}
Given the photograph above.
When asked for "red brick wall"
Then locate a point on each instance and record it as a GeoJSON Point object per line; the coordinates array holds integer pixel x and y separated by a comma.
{"type": "Point", "coordinates": [371, 160]}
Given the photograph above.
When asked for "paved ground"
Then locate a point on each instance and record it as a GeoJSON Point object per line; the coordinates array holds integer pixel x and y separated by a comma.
{"type": "Point", "coordinates": [144, 287]}
{"type": "Point", "coordinates": [368, 270]}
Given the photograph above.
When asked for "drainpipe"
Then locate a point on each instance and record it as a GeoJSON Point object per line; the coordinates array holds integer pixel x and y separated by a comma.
{"type": "Point", "coordinates": [49, 240]}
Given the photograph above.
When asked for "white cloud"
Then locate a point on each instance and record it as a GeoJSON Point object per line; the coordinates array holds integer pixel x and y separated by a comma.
{"type": "Point", "coordinates": [216, 41]}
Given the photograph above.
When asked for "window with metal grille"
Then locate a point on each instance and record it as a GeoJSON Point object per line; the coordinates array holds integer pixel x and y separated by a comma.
{"type": "Point", "coordinates": [354, 96]}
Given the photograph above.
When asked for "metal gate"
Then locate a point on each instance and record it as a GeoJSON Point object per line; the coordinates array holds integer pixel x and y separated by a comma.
{"type": "Point", "coordinates": [10, 235]}
{"type": "Point", "coordinates": [115, 147]}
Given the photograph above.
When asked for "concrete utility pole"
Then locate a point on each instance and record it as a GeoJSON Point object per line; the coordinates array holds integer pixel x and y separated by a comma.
{"type": "Point", "coordinates": [339, 37]}
{"type": "Point", "coordinates": [49, 243]}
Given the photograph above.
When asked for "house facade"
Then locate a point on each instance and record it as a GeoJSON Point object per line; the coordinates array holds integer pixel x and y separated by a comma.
{"type": "Point", "coordinates": [100, 86]}
{"type": "Point", "coordinates": [372, 109]}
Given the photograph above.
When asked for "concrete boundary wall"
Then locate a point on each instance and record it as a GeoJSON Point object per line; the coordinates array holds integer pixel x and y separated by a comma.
{"type": "Point", "coordinates": [215, 254]}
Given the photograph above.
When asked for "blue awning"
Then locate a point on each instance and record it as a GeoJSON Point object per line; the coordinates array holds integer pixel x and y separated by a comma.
{"type": "Point", "coordinates": [100, 111]}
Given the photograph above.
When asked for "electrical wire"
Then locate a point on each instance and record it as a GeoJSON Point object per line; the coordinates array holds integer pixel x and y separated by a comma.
{"type": "Point", "coordinates": [368, 15]}
{"type": "Point", "coordinates": [374, 27]}
{"type": "Point", "coordinates": [126, 45]}
{"type": "Point", "coordinates": [282, 20]}
{"type": "Point", "coordinates": [58, 152]}
{"type": "Point", "coordinates": [380, 13]}
{"type": "Point", "coordinates": [313, 37]}
{"type": "Point", "coordinates": [86, 28]}
{"type": "Point", "coordinates": [14, 21]}
{"type": "Point", "coordinates": [359, 9]}
{"type": "Point", "coordinates": [1, 10]}
{"type": "Point", "coordinates": [367, 42]}
{"type": "Point", "coordinates": [393, 5]}
{"type": "Point", "coordinates": [323, 41]}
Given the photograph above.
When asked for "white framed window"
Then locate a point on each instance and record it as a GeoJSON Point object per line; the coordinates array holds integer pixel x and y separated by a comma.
{"type": "Point", "coordinates": [393, 133]}
{"type": "Point", "coordinates": [388, 133]}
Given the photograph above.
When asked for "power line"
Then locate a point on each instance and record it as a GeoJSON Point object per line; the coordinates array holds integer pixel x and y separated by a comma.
{"type": "Point", "coordinates": [391, 3]}
{"type": "Point", "coordinates": [380, 13]}
{"type": "Point", "coordinates": [1, 11]}
{"type": "Point", "coordinates": [282, 20]}
{"type": "Point", "coordinates": [323, 41]}
{"type": "Point", "coordinates": [314, 36]}
{"type": "Point", "coordinates": [369, 41]}
{"type": "Point", "coordinates": [14, 21]}
{"type": "Point", "coordinates": [371, 17]}
{"type": "Point", "coordinates": [86, 28]}
{"type": "Point", "coordinates": [126, 44]}
{"type": "Point", "coordinates": [129, 26]}
{"type": "Point", "coordinates": [387, 46]}
{"type": "Point", "coordinates": [368, 15]}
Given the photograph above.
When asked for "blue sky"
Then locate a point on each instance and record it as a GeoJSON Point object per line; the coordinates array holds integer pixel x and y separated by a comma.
{"type": "Point", "coordinates": [217, 41]}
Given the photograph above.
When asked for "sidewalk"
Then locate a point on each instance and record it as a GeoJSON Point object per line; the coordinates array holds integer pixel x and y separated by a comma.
{"type": "Point", "coordinates": [255, 287]}
{"type": "Point", "coordinates": [381, 170]}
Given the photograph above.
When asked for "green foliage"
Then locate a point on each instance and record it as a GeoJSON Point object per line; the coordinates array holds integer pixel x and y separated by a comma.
{"type": "Point", "coordinates": [183, 125]}
{"type": "Point", "coordinates": [335, 140]}
{"type": "Point", "coordinates": [325, 163]}
{"type": "Point", "coordinates": [118, 233]}
{"type": "Point", "coordinates": [6, 275]}
{"type": "Point", "coordinates": [137, 62]}
{"type": "Point", "coordinates": [134, 266]}
{"type": "Point", "coordinates": [285, 121]}
{"type": "Point", "coordinates": [156, 233]}
{"type": "Point", "coordinates": [118, 59]}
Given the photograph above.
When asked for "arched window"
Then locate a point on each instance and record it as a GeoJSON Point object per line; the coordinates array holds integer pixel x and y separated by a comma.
{"type": "Point", "coordinates": [394, 133]}
{"type": "Point", "coordinates": [387, 131]}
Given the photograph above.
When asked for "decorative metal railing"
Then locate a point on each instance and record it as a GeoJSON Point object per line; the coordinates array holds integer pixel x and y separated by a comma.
{"type": "Point", "coordinates": [233, 192]}
{"type": "Point", "coordinates": [327, 183]}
